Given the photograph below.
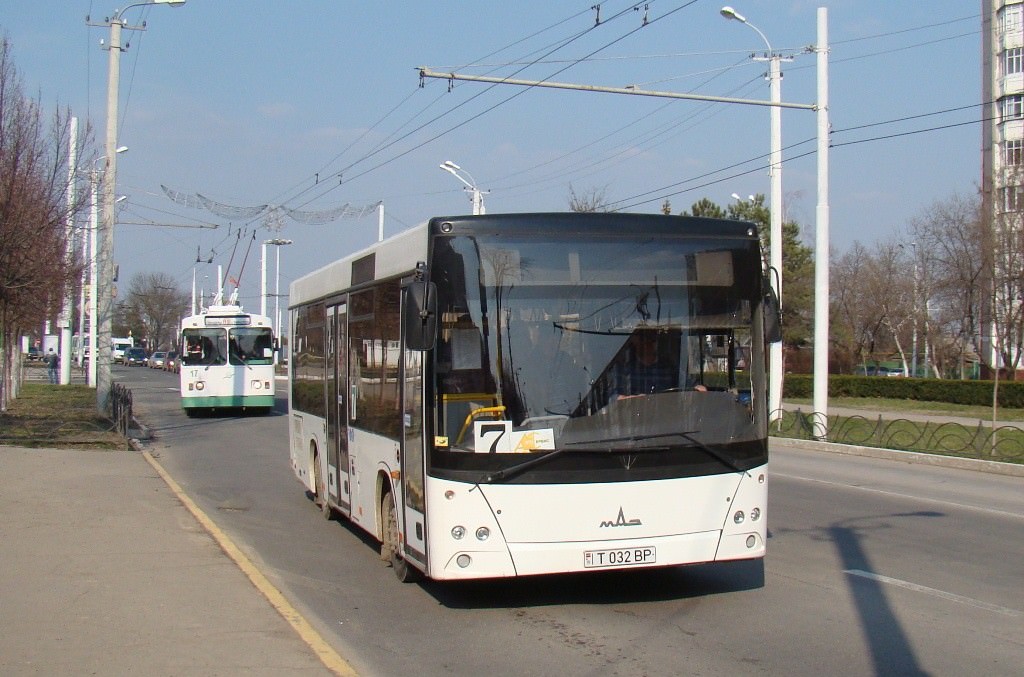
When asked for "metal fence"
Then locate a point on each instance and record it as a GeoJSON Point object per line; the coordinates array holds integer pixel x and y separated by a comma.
{"type": "Point", "coordinates": [982, 441]}
{"type": "Point", "coordinates": [121, 408]}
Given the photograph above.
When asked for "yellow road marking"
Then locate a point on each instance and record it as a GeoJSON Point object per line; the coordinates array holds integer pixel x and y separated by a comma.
{"type": "Point", "coordinates": [327, 655]}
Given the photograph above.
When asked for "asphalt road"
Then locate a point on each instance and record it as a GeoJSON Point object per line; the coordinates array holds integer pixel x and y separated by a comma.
{"type": "Point", "coordinates": [874, 567]}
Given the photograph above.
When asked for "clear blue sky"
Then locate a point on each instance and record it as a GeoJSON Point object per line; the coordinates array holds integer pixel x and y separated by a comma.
{"type": "Point", "coordinates": [249, 102]}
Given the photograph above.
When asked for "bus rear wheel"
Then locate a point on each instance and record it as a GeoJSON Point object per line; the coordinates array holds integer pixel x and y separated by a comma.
{"type": "Point", "coordinates": [390, 549]}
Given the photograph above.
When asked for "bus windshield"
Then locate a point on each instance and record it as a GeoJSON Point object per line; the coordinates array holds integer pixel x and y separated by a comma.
{"type": "Point", "coordinates": [612, 344]}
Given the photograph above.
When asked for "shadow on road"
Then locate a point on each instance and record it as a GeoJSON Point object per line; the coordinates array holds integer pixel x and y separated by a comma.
{"type": "Point", "coordinates": [892, 652]}
{"type": "Point", "coordinates": [603, 587]}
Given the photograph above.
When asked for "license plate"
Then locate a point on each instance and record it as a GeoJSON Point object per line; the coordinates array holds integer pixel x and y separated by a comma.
{"type": "Point", "coordinates": [619, 557]}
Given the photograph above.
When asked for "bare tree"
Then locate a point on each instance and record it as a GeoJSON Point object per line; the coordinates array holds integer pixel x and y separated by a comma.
{"type": "Point", "coordinates": [856, 320]}
{"type": "Point", "coordinates": [952, 264]}
{"type": "Point", "coordinates": [1005, 259]}
{"type": "Point", "coordinates": [154, 307]}
{"type": "Point", "coordinates": [891, 290]}
{"type": "Point", "coordinates": [36, 272]}
{"type": "Point", "coordinates": [593, 200]}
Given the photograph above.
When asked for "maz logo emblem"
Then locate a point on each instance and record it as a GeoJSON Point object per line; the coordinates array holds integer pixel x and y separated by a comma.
{"type": "Point", "coordinates": [621, 521]}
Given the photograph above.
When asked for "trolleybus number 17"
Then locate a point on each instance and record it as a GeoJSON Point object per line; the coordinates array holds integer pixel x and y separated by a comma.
{"type": "Point", "coordinates": [619, 557]}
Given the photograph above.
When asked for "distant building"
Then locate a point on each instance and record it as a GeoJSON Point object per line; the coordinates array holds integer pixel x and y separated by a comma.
{"type": "Point", "coordinates": [1002, 44]}
{"type": "Point", "coordinates": [1002, 148]}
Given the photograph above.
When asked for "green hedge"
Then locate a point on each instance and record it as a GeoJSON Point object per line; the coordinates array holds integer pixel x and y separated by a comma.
{"type": "Point", "coordinates": [1011, 393]}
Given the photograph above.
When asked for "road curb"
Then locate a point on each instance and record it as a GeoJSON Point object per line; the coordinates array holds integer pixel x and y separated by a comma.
{"type": "Point", "coordinates": [327, 655]}
{"type": "Point", "coordinates": [913, 457]}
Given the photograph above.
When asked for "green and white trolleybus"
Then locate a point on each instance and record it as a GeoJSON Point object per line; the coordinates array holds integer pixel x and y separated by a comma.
{"type": "Point", "coordinates": [473, 393]}
{"type": "Point", "coordinates": [227, 360]}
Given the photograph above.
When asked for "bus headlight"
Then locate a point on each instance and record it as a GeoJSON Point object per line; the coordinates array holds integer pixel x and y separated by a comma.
{"type": "Point", "coordinates": [483, 533]}
{"type": "Point", "coordinates": [256, 385]}
{"type": "Point", "coordinates": [458, 532]}
{"type": "Point", "coordinates": [739, 517]}
{"type": "Point", "coordinates": [755, 514]}
{"type": "Point", "coordinates": [200, 385]}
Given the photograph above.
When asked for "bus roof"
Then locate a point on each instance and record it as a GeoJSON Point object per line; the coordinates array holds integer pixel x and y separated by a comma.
{"type": "Point", "coordinates": [399, 254]}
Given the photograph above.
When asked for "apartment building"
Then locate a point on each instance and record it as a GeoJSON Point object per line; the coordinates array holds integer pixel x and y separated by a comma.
{"type": "Point", "coordinates": [1002, 151]}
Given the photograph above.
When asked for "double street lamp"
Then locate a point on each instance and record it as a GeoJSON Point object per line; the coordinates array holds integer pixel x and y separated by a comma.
{"type": "Point", "coordinates": [476, 195]}
{"type": "Point", "coordinates": [774, 204]}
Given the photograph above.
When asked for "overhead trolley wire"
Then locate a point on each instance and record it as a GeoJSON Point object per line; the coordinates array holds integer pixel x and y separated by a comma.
{"type": "Point", "coordinates": [507, 99]}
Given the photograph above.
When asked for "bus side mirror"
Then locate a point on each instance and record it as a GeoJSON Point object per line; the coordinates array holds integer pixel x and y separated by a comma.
{"type": "Point", "coordinates": [420, 315]}
{"type": "Point", "coordinates": [772, 315]}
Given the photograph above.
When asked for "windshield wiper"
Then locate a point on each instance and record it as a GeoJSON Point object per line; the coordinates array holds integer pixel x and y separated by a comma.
{"type": "Point", "coordinates": [568, 447]}
{"type": "Point", "coordinates": [505, 473]}
{"type": "Point", "coordinates": [688, 435]}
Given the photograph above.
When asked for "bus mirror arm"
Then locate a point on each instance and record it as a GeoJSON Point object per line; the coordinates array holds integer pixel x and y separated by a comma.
{"type": "Point", "coordinates": [420, 315]}
{"type": "Point", "coordinates": [772, 314]}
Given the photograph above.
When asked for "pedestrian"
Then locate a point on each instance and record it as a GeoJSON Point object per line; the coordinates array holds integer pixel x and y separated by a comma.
{"type": "Point", "coordinates": [52, 363]}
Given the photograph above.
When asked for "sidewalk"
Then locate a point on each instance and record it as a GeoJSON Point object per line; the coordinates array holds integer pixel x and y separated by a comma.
{"type": "Point", "coordinates": [106, 572]}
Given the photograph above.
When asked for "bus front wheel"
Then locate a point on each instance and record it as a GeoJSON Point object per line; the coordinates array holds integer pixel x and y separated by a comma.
{"type": "Point", "coordinates": [390, 549]}
{"type": "Point", "coordinates": [321, 491]}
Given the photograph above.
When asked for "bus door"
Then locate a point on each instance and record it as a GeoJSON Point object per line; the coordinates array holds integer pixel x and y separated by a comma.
{"type": "Point", "coordinates": [413, 505]}
{"type": "Point", "coordinates": [337, 409]}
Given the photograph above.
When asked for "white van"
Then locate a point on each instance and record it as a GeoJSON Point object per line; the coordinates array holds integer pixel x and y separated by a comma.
{"type": "Point", "coordinates": [118, 346]}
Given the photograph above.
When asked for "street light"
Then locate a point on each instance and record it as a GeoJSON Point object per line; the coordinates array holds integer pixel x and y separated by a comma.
{"type": "Point", "coordinates": [774, 205]}
{"type": "Point", "coordinates": [277, 242]}
{"type": "Point", "coordinates": [104, 291]}
{"type": "Point", "coordinates": [476, 193]}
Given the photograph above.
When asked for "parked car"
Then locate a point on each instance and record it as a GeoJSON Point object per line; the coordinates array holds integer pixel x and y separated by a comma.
{"type": "Point", "coordinates": [877, 370]}
{"type": "Point", "coordinates": [135, 357]}
{"type": "Point", "coordinates": [156, 360]}
{"type": "Point", "coordinates": [171, 362]}
{"type": "Point", "coordinates": [34, 354]}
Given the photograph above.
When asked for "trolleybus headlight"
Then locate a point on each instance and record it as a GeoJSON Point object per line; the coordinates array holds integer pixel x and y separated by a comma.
{"type": "Point", "coordinates": [755, 514]}
{"type": "Point", "coordinates": [463, 560]}
{"type": "Point", "coordinates": [200, 385]}
{"type": "Point", "coordinates": [256, 385]}
{"type": "Point", "coordinates": [458, 532]}
{"type": "Point", "coordinates": [751, 541]}
{"type": "Point", "coordinates": [483, 533]}
{"type": "Point", "coordinates": [738, 517]}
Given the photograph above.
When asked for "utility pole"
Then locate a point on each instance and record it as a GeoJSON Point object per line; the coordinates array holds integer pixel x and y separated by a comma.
{"type": "Point", "coordinates": [104, 289]}
{"type": "Point", "coordinates": [64, 321]}
{"type": "Point", "coordinates": [775, 374]}
{"type": "Point", "coordinates": [105, 258]}
{"type": "Point", "coordinates": [821, 254]}
{"type": "Point", "coordinates": [93, 229]}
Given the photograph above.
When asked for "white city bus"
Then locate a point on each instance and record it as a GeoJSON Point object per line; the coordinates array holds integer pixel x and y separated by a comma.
{"type": "Point", "coordinates": [453, 393]}
{"type": "Point", "coordinates": [227, 360]}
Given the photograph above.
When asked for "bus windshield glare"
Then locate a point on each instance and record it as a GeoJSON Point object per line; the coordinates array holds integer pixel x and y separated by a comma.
{"type": "Point", "coordinates": [610, 345]}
